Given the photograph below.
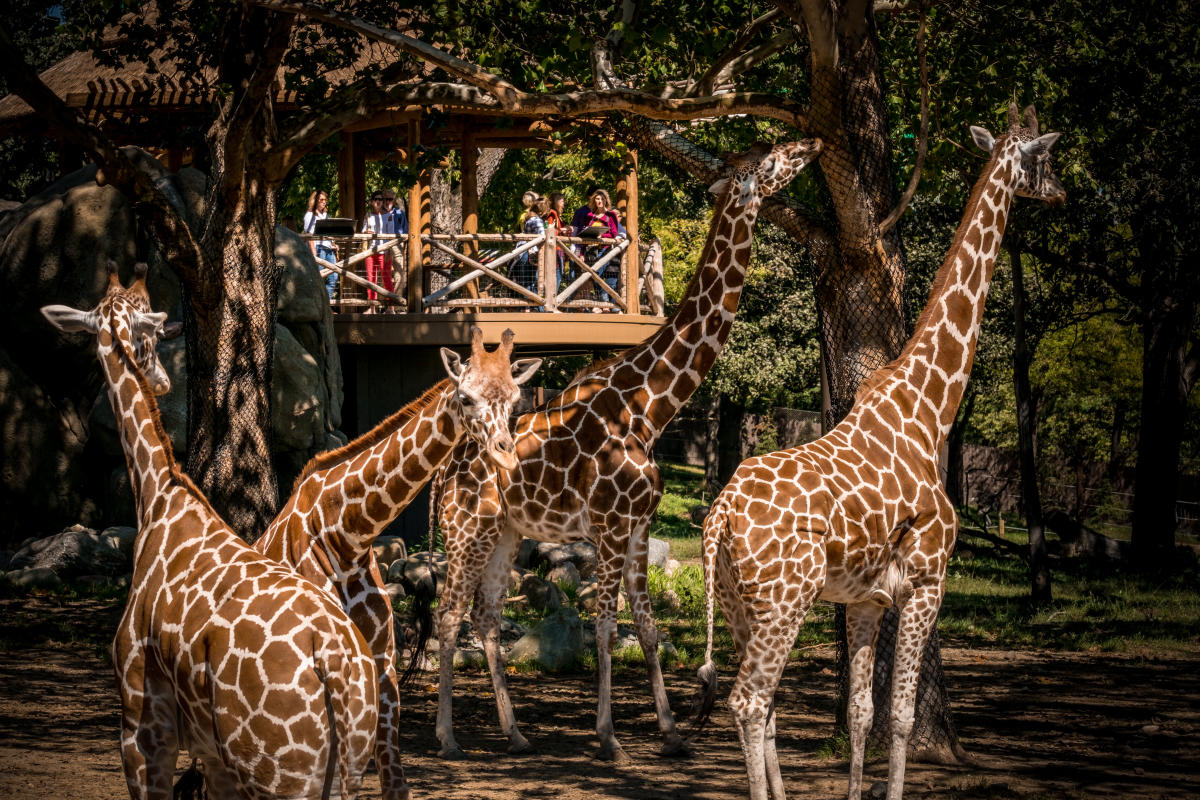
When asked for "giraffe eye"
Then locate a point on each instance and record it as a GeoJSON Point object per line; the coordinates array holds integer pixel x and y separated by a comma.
{"type": "Point", "coordinates": [466, 400]}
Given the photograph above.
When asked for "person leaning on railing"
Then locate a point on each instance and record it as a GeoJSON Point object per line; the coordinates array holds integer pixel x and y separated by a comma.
{"type": "Point", "coordinates": [602, 223]}
{"type": "Point", "coordinates": [379, 265]}
{"type": "Point", "coordinates": [525, 267]}
{"type": "Point", "coordinates": [554, 222]}
{"type": "Point", "coordinates": [318, 208]}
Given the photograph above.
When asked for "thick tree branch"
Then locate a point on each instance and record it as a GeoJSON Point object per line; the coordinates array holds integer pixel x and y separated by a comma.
{"type": "Point", "coordinates": [922, 136]}
{"type": "Point", "coordinates": [819, 18]}
{"type": "Point", "coordinates": [706, 83]}
{"type": "Point", "coordinates": [472, 74]}
{"type": "Point", "coordinates": [132, 171]}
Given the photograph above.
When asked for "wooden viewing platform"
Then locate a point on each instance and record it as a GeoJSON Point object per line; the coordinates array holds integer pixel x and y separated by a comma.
{"type": "Point", "coordinates": [498, 281]}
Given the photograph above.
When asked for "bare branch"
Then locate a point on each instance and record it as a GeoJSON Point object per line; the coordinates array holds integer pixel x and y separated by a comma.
{"type": "Point", "coordinates": [131, 170]}
{"type": "Point", "coordinates": [922, 136]}
{"type": "Point", "coordinates": [712, 77]}
{"type": "Point", "coordinates": [474, 75]}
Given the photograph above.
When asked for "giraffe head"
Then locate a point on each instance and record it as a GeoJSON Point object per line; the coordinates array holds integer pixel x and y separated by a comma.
{"type": "Point", "coordinates": [123, 315]}
{"type": "Point", "coordinates": [1035, 177]}
{"type": "Point", "coordinates": [485, 392]}
{"type": "Point", "coordinates": [764, 169]}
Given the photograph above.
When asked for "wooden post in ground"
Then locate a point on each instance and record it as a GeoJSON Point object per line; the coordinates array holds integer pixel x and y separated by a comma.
{"type": "Point", "coordinates": [547, 264]}
{"type": "Point", "coordinates": [627, 203]}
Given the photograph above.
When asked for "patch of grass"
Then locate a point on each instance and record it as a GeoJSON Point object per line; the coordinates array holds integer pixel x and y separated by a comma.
{"type": "Point", "coordinates": [683, 491]}
{"type": "Point", "coordinates": [1096, 607]}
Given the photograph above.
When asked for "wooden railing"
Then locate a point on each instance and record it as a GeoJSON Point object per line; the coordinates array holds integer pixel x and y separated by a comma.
{"type": "Point", "coordinates": [497, 272]}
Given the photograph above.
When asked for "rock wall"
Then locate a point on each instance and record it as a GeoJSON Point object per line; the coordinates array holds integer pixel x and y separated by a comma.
{"type": "Point", "coordinates": [60, 461]}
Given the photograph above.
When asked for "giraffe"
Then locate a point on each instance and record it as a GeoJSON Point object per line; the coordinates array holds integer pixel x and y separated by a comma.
{"type": "Point", "coordinates": [220, 650]}
{"type": "Point", "coordinates": [860, 516]}
{"type": "Point", "coordinates": [586, 471]}
{"type": "Point", "coordinates": [345, 498]}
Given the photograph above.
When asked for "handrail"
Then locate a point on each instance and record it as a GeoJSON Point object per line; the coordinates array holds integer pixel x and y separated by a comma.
{"type": "Point", "coordinates": [541, 290]}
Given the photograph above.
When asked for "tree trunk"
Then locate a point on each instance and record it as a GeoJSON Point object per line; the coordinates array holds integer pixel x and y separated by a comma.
{"type": "Point", "coordinates": [230, 355]}
{"type": "Point", "coordinates": [1165, 387]}
{"type": "Point", "coordinates": [1039, 567]}
{"type": "Point", "coordinates": [955, 471]}
{"type": "Point", "coordinates": [729, 439]}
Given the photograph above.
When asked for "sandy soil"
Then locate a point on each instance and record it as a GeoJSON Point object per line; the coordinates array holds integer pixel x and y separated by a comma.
{"type": "Point", "coordinates": [1039, 725]}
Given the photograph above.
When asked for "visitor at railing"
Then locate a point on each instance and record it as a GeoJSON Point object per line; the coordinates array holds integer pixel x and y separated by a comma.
{"type": "Point", "coordinates": [381, 220]}
{"type": "Point", "coordinates": [324, 249]}
{"type": "Point", "coordinates": [602, 223]}
{"type": "Point", "coordinates": [524, 270]}
{"type": "Point", "coordinates": [555, 224]}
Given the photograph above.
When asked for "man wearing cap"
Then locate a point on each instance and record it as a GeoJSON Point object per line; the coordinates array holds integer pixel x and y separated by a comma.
{"type": "Point", "coordinates": [379, 265]}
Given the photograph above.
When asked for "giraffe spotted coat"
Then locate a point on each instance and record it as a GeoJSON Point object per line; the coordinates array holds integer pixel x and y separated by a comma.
{"type": "Point", "coordinates": [220, 650]}
{"type": "Point", "coordinates": [586, 470]}
{"type": "Point", "coordinates": [860, 516]}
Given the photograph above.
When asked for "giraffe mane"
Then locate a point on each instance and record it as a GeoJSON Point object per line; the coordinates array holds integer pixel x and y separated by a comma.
{"type": "Point", "coordinates": [880, 375]}
{"type": "Point", "coordinates": [374, 436]}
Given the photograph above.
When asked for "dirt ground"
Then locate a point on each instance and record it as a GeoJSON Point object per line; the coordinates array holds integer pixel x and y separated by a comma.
{"type": "Point", "coordinates": [1039, 725]}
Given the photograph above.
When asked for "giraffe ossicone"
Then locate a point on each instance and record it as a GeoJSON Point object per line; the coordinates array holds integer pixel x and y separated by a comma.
{"type": "Point", "coordinates": [586, 470]}
{"type": "Point", "coordinates": [860, 516]}
{"type": "Point", "coordinates": [220, 650]}
{"type": "Point", "coordinates": [344, 499]}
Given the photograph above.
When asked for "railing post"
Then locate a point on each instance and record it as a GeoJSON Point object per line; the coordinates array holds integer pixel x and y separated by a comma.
{"type": "Point", "coordinates": [549, 261]}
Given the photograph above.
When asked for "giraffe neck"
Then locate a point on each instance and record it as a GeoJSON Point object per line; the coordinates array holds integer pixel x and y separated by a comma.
{"type": "Point", "coordinates": [659, 375]}
{"type": "Point", "coordinates": [143, 440]}
{"type": "Point", "coordinates": [346, 498]}
{"type": "Point", "coordinates": [936, 362]}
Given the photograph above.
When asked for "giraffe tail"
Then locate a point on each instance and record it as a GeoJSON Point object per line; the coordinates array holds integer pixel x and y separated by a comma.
{"type": "Point", "coordinates": [706, 697]}
{"type": "Point", "coordinates": [341, 763]}
{"type": "Point", "coordinates": [426, 589]}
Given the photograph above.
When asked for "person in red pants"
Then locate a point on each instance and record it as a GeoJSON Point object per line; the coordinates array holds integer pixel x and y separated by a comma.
{"type": "Point", "coordinates": [379, 265]}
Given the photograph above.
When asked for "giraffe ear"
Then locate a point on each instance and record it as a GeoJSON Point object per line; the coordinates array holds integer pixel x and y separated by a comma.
{"type": "Point", "coordinates": [72, 320]}
{"type": "Point", "coordinates": [453, 363]}
{"type": "Point", "coordinates": [171, 330]}
{"type": "Point", "coordinates": [1040, 144]}
{"type": "Point", "coordinates": [719, 186]}
{"type": "Point", "coordinates": [150, 322]}
{"type": "Point", "coordinates": [523, 369]}
{"type": "Point", "coordinates": [983, 138]}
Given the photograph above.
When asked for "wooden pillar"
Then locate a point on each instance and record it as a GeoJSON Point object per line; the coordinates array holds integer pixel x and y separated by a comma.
{"type": "Point", "coordinates": [627, 202]}
{"type": "Point", "coordinates": [352, 197]}
{"type": "Point", "coordinates": [470, 202]}
{"type": "Point", "coordinates": [416, 272]}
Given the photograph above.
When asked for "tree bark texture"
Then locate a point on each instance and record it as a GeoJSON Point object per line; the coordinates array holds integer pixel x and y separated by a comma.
{"type": "Point", "coordinates": [1039, 565]}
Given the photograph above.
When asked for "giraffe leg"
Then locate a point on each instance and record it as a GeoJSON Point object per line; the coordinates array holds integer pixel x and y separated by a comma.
{"type": "Point", "coordinates": [862, 628]}
{"type": "Point", "coordinates": [387, 741]}
{"type": "Point", "coordinates": [647, 633]}
{"type": "Point", "coordinates": [149, 740]}
{"type": "Point", "coordinates": [489, 602]}
{"type": "Point", "coordinates": [608, 581]}
{"type": "Point", "coordinates": [917, 618]}
{"type": "Point", "coordinates": [753, 697]}
{"type": "Point", "coordinates": [774, 778]}
{"type": "Point", "coordinates": [453, 607]}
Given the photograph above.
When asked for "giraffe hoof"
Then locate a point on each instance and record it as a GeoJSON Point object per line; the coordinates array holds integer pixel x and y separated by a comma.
{"type": "Point", "coordinates": [614, 753]}
{"type": "Point", "coordinates": [675, 746]}
{"type": "Point", "coordinates": [454, 753]}
{"type": "Point", "coordinates": [521, 747]}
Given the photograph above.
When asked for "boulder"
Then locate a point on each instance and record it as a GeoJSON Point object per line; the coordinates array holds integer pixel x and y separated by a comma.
{"type": "Point", "coordinates": [55, 249]}
{"type": "Point", "coordinates": [672, 566]}
{"type": "Point", "coordinates": [660, 551]}
{"type": "Point", "coordinates": [565, 574]}
{"type": "Point", "coordinates": [542, 595]}
{"type": "Point", "coordinates": [471, 658]}
{"type": "Point", "coordinates": [581, 554]}
{"type": "Point", "coordinates": [515, 576]}
{"type": "Point", "coordinates": [589, 597]}
{"type": "Point", "coordinates": [553, 644]}
{"type": "Point", "coordinates": [121, 539]}
{"type": "Point", "coordinates": [34, 578]}
{"type": "Point", "coordinates": [669, 601]}
{"type": "Point", "coordinates": [415, 570]}
{"type": "Point", "coordinates": [390, 549]}
{"type": "Point", "coordinates": [526, 554]}
{"type": "Point", "coordinates": [74, 552]}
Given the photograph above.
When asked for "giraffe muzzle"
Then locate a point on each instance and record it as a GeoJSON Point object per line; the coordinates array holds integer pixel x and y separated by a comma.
{"type": "Point", "coordinates": [503, 454]}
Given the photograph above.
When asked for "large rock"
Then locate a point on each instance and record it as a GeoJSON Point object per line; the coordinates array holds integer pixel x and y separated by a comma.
{"type": "Point", "coordinates": [553, 644]}
{"type": "Point", "coordinates": [581, 554]}
{"type": "Point", "coordinates": [74, 552]}
{"type": "Point", "coordinates": [542, 595]}
{"type": "Point", "coordinates": [58, 451]}
{"type": "Point", "coordinates": [660, 552]}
